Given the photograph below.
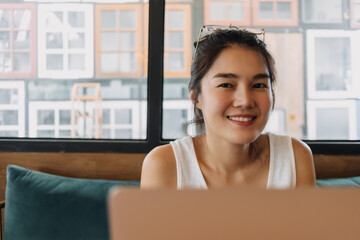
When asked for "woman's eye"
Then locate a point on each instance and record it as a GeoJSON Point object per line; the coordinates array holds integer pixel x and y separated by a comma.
{"type": "Point", "coordinates": [225, 85]}
{"type": "Point", "coordinates": [260, 85]}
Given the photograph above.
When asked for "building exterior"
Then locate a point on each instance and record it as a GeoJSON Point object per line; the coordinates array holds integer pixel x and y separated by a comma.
{"type": "Point", "coordinates": [48, 46]}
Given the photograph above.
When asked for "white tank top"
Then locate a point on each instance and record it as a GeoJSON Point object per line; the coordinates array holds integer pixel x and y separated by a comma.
{"type": "Point", "coordinates": [281, 175]}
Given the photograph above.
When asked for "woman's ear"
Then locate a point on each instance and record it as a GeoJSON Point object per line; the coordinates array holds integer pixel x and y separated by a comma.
{"type": "Point", "coordinates": [193, 98]}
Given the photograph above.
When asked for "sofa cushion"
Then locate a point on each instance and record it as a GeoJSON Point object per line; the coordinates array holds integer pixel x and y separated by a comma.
{"type": "Point", "coordinates": [339, 182]}
{"type": "Point", "coordinates": [45, 206]}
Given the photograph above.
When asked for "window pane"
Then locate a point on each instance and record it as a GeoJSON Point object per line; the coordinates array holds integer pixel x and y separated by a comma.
{"type": "Point", "coordinates": [176, 40]}
{"type": "Point", "coordinates": [332, 64]}
{"type": "Point", "coordinates": [123, 116]}
{"type": "Point", "coordinates": [218, 11]}
{"type": "Point", "coordinates": [76, 61]}
{"type": "Point", "coordinates": [323, 11]}
{"type": "Point", "coordinates": [5, 62]}
{"type": "Point", "coordinates": [21, 62]}
{"type": "Point", "coordinates": [175, 19]}
{"type": "Point", "coordinates": [76, 19]}
{"type": "Point", "coordinates": [174, 123]}
{"type": "Point", "coordinates": [329, 71]}
{"type": "Point", "coordinates": [46, 117]}
{"type": "Point", "coordinates": [65, 133]}
{"type": "Point", "coordinates": [22, 19]}
{"type": "Point", "coordinates": [128, 19]}
{"type": "Point", "coordinates": [108, 19]}
{"type": "Point", "coordinates": [54, 20]}
{"type": "Point", "coordinates": [21, 40]}
{"type": "Point", "coordinates": [283, 10]}
{"type": "Point", "coordinates": [4, 40]}
{"type": "Point", "coordinates": [109, 62]}
{"type": "Point", "coordinates": [54, 40]}
{"type": "Point", "coordinates": [123, 133]}
{"type": "Point", "coordinates": [106, 116]}
{"type": "Point", "coordinates": [329, 124]}
{"type": "Point", "coordinates": [175, 90]}
{"type": "Point", "coordinates": [76, 40]}
{"type": "Point", "coordinates": [175, 62]}
{"type": "Point", "coordinates": [127, 40]}
{"type": "Point", "coordinates": [8, 117]}
{"type": "Point", "coordinates": [8, 133]}
{"type": "Point", "coordinates": [266, 11]}
{"type": "Point", "coordinates": [54, 61]}
{"type": "Point", "coordinates": [46, 133]}
{"type": "Point", "coordinates": [9, 96]}
{"type": "Point", "coordinates": [106, 133]}
{"type": "Point", "coordinates": [65, 117]}
{"type": "Point", "coordinates": [70, 37]}
{"type": "Point", "coordinates": [127, 62]}
{"type": "Point", "coordinates": [5, 18]}
{"type": "Point", "coordinates": [236, 11]}
{"type": "Point", "coordinates": [109, 41]}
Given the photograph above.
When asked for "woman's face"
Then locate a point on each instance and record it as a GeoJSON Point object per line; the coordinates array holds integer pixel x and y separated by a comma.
{"type": "Point", "coordinates": [236, 96]}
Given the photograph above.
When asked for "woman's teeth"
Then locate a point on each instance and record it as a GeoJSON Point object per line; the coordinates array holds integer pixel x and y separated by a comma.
{"type": "Point", "coordinates": [241, 119]}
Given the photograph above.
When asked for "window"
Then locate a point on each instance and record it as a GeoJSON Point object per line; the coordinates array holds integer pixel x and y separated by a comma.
{"type": "Point", "coordinates": [49, 119]}
{"type": "Point", "coordinates": [224, 12]}
{"type": "Point", "coordinates": [333, 64]}
{"type": "Point", "coordinates": [275, 13]}
{"type": "Point", "coordinates": [355, 13]}
{"type": "Point", "coordinates": [65, 41]}
{"type": "Point", "coordinates": [118, 40]}
{"type": "Point", "coordinates": [176, 116]}
{"type": "Point", "coordinates": [17, 40]}
{"type": "Point", "coordinates": [79, 41]}
{"type": "Point", "coordinates": [177, 55]}
{"type": "Point", "coordinates": [331, 119]}
{"type": "Point", "coordinates": [12, 114]}
{"type": "Point", "coordinates": [121, 120]}
{"type": "Point", "coordinates": [322, 11]}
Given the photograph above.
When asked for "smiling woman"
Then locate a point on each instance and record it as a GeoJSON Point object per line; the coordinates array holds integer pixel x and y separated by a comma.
{"type": "Point", "coordinates": [231, 86]}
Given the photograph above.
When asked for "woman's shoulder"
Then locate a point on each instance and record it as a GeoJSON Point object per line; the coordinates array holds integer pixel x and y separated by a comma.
{"type": "Point", "coordinates": [304, 163]}
{"type": "Point", "coordinates": [159, 168]}
{"type": "Point", "coordinates": [161, 156]}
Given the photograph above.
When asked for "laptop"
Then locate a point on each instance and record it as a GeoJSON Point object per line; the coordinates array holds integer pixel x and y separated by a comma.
{"type": "Point", "coordinates": [234, 213]}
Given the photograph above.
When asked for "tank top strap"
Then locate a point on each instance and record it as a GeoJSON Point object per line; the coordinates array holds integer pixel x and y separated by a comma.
{"type": "Point", "coordinates": [189, 174]}
{"type": "Point", "coordinates": [282, 172]}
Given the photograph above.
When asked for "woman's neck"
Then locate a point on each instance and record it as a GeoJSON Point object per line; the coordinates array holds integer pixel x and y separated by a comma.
{"type": "Point", "coordinates": [224, 157]}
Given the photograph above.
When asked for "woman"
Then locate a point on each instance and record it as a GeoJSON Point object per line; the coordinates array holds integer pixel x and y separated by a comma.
{"type": "Point", "coordinates": [231, 86]}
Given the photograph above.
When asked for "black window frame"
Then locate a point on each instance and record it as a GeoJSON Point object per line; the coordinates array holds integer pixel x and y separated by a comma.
{"type": "Point", "coordinates": [154, 116]}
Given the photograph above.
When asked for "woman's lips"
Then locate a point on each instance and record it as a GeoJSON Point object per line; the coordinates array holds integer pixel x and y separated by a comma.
{"type": "Point", "coordinates": [243, 120]}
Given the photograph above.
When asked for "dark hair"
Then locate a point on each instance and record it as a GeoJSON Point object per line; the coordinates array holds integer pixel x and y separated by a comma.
{"type": "Point", "coordinates": [209, 49]}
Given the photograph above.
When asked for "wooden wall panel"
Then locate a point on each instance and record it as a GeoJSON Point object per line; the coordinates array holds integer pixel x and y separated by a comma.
{"type": "Point", "coordinates": [117, 166]}
{"type": "Point", "coordinates": [341, 166]}
{"type": "Point", "coordinates": [114, 166]}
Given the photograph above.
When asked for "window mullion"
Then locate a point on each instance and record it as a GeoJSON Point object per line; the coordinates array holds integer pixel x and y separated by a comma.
{"type": "Point", "coordinates": [155, 72]}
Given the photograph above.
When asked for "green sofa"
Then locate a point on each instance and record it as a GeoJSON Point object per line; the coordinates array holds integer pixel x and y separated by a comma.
{"type": "Point", "coordinates": [45, 206]}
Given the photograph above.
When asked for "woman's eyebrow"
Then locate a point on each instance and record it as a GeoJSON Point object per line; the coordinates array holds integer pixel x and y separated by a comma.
{"type": "Point", "coordinates": [233, 75]}
{"type": "Point", "coordinates": [225, 75]}
{"type": "Point", "coordinates": [261, 75]}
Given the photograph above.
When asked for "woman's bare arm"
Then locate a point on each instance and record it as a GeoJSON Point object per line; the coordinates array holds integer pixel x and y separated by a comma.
{"type": "Point", "coordinates": [304, 163]}
{"type": "Point", "coordinates": [159, 169]}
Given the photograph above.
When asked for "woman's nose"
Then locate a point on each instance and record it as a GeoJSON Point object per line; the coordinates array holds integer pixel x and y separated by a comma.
{"type": "Point", "coordinates": [243, 98]}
